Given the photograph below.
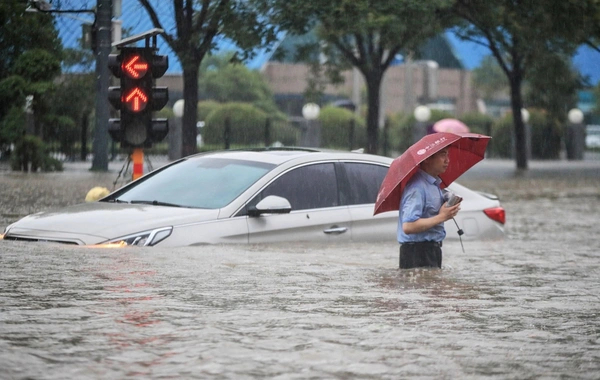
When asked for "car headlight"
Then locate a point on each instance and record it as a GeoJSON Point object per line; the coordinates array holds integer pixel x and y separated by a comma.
{"type": "Point", "coordinates": [2, 234]}
{"type": "Point", "coordinates": [141, 239]}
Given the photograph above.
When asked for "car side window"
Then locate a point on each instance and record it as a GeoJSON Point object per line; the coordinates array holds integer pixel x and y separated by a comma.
{"type": "Point", "coordinates": [364, 181]}
{"type": "Point", "coordinates": [307, 187]}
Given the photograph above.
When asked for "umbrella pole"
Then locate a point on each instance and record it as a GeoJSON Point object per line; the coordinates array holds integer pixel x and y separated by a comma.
{"type": "Point", "coordinates": [460, 234]}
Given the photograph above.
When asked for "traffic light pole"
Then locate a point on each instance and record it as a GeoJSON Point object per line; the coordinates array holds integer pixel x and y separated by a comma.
{"type": "Point", "coordinates": [103, 49]}
{"type": "Point", "coordinates": [137, 156]}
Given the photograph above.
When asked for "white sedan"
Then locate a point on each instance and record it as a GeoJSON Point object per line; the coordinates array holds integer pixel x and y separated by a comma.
{"type": "Point", "coordinates": [272, 195]}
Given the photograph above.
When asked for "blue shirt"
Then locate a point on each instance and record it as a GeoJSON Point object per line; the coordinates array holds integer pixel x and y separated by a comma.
{"type": "Point", "coordinates": [422, 198]}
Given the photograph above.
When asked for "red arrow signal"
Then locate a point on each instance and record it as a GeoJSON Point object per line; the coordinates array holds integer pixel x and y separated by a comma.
{"type": "Point", "coordinates": [134, 66]}
{"type": "Point", "coordinates": [135, 100]}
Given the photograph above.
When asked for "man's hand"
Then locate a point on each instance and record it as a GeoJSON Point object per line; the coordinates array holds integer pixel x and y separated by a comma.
{"type": "Point", "coordinates": [423, 224]}
{"type": "Point", "coordinates": [449, 212]}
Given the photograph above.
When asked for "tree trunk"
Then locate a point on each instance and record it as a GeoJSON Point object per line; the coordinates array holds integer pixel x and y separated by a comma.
{"type": "Point", "coordinates": [190, 107]}
{"type": "Point", "coordinates": [517, 105]}
{"type": "Point", "coordinates": [373, 99]}
{"type": "Point", "coordinates": [84, 134]}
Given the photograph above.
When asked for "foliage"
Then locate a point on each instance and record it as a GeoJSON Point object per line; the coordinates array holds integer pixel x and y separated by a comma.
{"type": "Point", "coordinates": [247, 126]}
{"type": "Point", "coordinates": [478, 123]}
{"type": "Point", "coordinates": [229, 82]}
{"type": "Point", "coordinates": [558, 95]}
{"type": "Point", "coordinates": [234, 83]}
{"type": "Point", "coordinates": [400, 134]}
{"type": "Point", "coordinates": [546, 134]}
{"type": "Point", "coordinates": [12, 126]}
{"type": "Point", "coordinates": [489, 79]}
{"type": "Point", "coordinates": [63, 130]}
{"type": "Point", "coordinates": [33, 74]}
{"type": "Point", "coordinates": [198, 25]}
{"type": "Point", "coordinates": [364, 34]}
{"type": "Point", "coordinates": [37, 65]}
{"type": "Point", "coordinates": [501, 145]}
{"type": "Point", "coordinates": [30, 155]}
{"type": "Point", "coordinates": [338, 125]}
{"type": "Point", "coordinates": [30, 53]}
{"type": "Point", "coordinates": [22, 32]}
{"type": "Point", "coordinates": [12, 94]}
{"type": "Point", "coordinates": [205, 107]}
{"type": "Point", "coordinates": [69, 115]}
{"type": "Point", "coordinates": [520, 33]}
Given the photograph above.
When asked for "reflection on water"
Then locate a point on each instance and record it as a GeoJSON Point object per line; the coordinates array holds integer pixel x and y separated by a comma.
{"type": "Point", "coordinates": [527, 306]}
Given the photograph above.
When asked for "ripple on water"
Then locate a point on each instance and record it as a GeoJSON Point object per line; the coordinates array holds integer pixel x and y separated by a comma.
{"type": "Point", "coordinates": [523, 306]}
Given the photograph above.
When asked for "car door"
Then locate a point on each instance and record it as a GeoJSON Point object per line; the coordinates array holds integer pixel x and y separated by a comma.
{"type": "Point", "coordinates": [360, 188]}
{"type": "Point", "coordinates": [317, 213]}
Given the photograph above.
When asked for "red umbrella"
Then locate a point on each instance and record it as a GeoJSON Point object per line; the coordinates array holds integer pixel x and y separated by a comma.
{"type": "Point", "coordinates": [450, 125]}
{"type": "Point", "coordinates": [465, 150]}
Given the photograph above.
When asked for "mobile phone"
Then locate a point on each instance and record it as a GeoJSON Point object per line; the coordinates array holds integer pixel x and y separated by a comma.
{"type": "Point", "coordinates": [454, 199]}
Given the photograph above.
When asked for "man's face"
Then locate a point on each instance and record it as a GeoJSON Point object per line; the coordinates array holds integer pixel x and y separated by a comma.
{"type": "Point", "coordinates": [438, 163]}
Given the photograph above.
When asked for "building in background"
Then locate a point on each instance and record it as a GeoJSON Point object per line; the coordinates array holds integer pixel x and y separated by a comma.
{"type": "Point", "coordinates": [436, 78]}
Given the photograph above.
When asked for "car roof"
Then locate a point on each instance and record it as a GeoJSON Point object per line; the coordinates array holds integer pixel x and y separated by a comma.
{"type": "Point", "coordinates": [280, 155]}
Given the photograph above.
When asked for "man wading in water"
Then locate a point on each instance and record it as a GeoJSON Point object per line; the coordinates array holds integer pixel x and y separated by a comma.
{"type": "Point", "coordinates": [423, 211]}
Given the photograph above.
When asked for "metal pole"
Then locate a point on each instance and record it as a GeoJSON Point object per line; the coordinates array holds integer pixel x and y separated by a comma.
{"type": "Point", "coordinates": [103, 48]}
{"type": "Point", "coordinates": [137, 157]}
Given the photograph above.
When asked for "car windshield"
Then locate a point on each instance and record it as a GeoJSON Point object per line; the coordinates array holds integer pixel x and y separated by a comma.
{"type": "Point", "coordinates": [201, 183]}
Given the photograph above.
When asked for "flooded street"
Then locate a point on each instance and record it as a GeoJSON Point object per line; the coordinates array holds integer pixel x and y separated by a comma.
{"type": "Point", "coordinates": [524, 307]}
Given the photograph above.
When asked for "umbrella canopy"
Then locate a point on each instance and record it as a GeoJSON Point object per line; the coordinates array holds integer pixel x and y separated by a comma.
{"type": "Point", "coordinates": [465, 150]}
{"type": "Point", "coordinates": [450, 125]}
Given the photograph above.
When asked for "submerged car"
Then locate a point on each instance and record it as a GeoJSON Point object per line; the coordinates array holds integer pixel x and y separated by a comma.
{"type": "Point", "coordinates": [270, 195]}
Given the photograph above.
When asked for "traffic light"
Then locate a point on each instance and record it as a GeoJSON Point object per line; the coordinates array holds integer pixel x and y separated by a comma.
{"type": "Point", "coordinates": [137, 98]}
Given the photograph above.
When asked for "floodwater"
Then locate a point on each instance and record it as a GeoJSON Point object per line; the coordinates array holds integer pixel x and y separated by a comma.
{"type": "Point", "coordinates": [524, 307]}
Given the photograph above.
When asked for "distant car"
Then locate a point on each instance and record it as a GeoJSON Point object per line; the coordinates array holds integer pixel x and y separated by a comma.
{"type": "Point", "coordinates": [592, 136]}
{"type": "Point", "coordinates": [248, 197]}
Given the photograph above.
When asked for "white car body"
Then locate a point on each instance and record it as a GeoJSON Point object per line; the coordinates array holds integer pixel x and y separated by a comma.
{"type": "Point", "coordinates": [348, 218]}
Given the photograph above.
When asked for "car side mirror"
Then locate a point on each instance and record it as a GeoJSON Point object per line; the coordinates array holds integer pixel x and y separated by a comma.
{"type": "Point", "coordinates": [271, 205]}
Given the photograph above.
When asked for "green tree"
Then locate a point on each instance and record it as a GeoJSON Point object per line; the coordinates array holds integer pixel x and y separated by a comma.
{"type": "Point", "coordinates": [197, 27]}
{"type": "Point", "coordinates": [557, 95]}
{"type": "Point", "coordinates": [38, 68]}
{"type": "Point", "coordinates": [74, 99]}
{"type": "Point", "coordinates": [518, 33]}
{"type": "Point", "coordinates": [23, 31]}
{"type": "Point", "coordinates": [489, 79]}
{"type": "Point", "coordinates": [28, 41]}
{"type": "Point", "coordinates": [233, 82]}
{"type": "Point", "coordinates": [365, 34]}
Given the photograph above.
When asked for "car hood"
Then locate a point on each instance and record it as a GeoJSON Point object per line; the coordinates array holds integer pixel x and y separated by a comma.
{"type": "Point", "coordinates": [96, 222]}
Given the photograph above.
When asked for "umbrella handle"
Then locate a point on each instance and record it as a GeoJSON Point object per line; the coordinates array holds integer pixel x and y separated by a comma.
{"type": "Point", "coordinates": [460, 234]}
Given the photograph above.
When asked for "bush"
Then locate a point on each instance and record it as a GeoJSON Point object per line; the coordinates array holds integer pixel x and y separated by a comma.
{"type": "Point", "coordinates": [282, 132]}
{"type": "Point", "coordinates": [336, 127]}
{"type": "Point", "coordinates": [478, 123]}
{"type": "Point", "coordinates": [63, 130]}
{"type": "Point", "coordinates": [545, 136]}
{"type": "Point", "coordinates": [30, 155]}
{"type": "Point", "coordinates": [248, 126]}
{"type": "Point", "coordinates": [400, 134]}
{"type": "Point", "coordinates": [51, 164]}
{"type": "Point", "coordinates": [501, 145]}
{"type": "Point", "coordinates": [205, 107]}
